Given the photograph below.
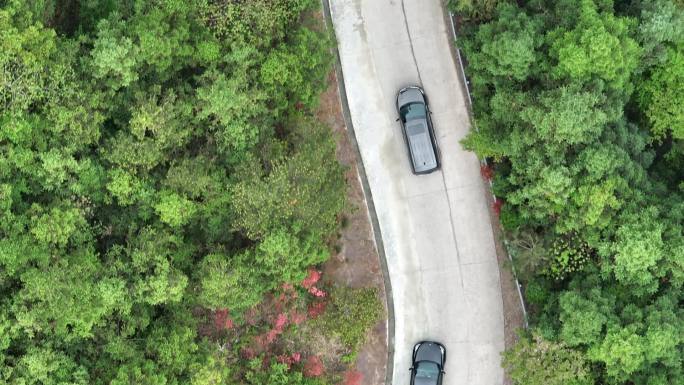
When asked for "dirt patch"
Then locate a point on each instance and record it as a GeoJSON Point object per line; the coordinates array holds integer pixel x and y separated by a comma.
{"type": "Point", "coordinates": [357, 263]}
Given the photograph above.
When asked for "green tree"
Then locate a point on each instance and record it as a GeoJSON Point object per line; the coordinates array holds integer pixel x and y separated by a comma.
{"type": "Point", "coordinates": [599, 46]}
{"type": "Point", "coordinates": [506, 46]}
{"type": "Point", "coordinates": [662, 96]}
{"type": "Point", "coordinates": [289, 195]}
{"type": "Point", "coordinates": [536, 361]}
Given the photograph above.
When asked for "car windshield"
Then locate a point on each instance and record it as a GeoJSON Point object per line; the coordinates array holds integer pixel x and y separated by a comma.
{"type": "Point", "coordinates": [412, 111]}
{"type": "Point", "coordinates": [427, 369]}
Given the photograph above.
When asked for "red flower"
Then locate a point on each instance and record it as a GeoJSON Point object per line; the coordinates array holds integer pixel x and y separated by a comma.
{"type": "Point", "coordinates": [297, 318]}
{"type": "Point", "coordinates": [279, 302]}
{"type": "Point", "coordinates": [260, 341]}
{"type": "Point", "coordinates": [247, 353]}
{"type": "Point", "coordinates": [289, 360]}
{"type": "Point", "coordinates": [251, 316]}
{"type": "Point", "coordinates": [281, 322]}
{"type": "Point", "coordinates": [222, 319]}
{"type": "Point", "coordinates": [271, 336]}
{"type": "Point", "coordinates": [496, 206]}
{"type": "Point", "coordinates": [287, 286]}
{"type": "Point", "coordinates": [313, 367]}
{"type": "Point", "coordinates": [352, 377]}
{"type": "Point", "coordinates": [486, 171]}
{"type": "Point", "coordinates": [284, 359]}
{"type": "Point", "coordinates": [317, 292]}
{"type": "Point", "coordinates": [311, 279]}
{"type": "Point", "coordinates": [316, 309]}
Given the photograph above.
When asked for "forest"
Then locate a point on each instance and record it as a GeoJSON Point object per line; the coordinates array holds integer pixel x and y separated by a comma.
{"type": "Point", "coordinates": [579, 107]}
{"type": "Point", "coordinates": [166, 195]}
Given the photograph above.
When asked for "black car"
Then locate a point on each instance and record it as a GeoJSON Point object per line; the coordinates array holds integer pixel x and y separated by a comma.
{"type": "Point", "coordinates": [414, 114]}
{"type": "Point", "coordinates": [428, 363]}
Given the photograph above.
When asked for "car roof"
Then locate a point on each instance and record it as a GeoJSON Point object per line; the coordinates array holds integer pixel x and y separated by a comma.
{"type": "Point", "coordinates": [422, 151]}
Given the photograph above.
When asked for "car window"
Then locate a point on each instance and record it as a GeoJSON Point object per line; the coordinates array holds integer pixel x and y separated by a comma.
{"type": "Point", "coordinates": [427, 369]}
{"type": "Point", "coordinates": [412, 111]}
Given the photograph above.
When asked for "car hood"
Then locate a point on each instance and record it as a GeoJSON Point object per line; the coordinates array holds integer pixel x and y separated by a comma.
{"type": "Point", "coordinates": [410, 95]}
{"type": "Point", "coordinates": [429, 351]}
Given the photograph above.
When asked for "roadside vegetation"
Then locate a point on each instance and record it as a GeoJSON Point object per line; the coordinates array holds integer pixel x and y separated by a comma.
{"type": "Point", "coordinates": [166, 195]}
{"type": "Point", "coordinates": [579, 106]}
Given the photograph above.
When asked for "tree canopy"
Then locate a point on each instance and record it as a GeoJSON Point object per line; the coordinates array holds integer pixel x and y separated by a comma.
{"type": "Point", "coordinates": [581, 113]}
{"type": "Point", "coordinates": [159, 160]}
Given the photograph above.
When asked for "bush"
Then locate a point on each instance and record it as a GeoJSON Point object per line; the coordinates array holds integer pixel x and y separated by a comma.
{"type": "Point", "coordinates": [350, 314]}
{"type": "Point", "coordinates": [569, 255]}
{"type": "Point", "coordinates": [536, 361]}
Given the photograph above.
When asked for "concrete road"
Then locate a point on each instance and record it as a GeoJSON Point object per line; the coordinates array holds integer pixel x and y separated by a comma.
{"type": "Point", "coordinates": [436, 228]}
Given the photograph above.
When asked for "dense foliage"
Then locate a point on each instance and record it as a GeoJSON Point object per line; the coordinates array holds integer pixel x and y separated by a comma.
{"type": "Point", "coordinates": [160, 173]}
{"type": "Point", "coordinates": [579, 103]}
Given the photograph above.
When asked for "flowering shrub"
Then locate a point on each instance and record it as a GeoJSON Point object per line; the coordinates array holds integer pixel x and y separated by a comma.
{"type": "Point", "coordinates": [222, 320]}
{"type": "Point", "coordinates": [281, 322]}
{"type": "Point", "coordinates": [316, 309]}
{"type": "Point", "coordinates": [311, 279]}
{"type": "Point", "coordinates": [317, 292]}
{"type": "Point", "coordinates": [289, 359]}
{"type": "Point", "coordinates": [247, 352]}
{"type": "Point", "coordinates": [352, 377]}
{"type": "Point", "coordinates": [486, 171]}
{"type": "Point", "coordinates": [496, 206]}
{"type": "Point", "coordinates": [313, 367]}
{"type": "Point", "coordinates": [297, 317]}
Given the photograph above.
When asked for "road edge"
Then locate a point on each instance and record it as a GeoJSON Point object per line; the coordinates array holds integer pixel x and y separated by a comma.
{"type": "Point", "coordinates": [375, 224]}
{"type": "Point", "coordinates": [458, 63]}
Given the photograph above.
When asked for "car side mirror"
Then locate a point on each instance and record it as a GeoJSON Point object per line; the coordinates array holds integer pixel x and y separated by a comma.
{"type": "Point", "coordinates": [411, 369]}
{"type": "Point", "coordinates": [397, 119]}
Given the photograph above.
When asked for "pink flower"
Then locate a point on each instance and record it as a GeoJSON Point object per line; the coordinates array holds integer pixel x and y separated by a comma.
{"type": "Point", "coordinates": [280, 322]}
{"type": "Point", "coordinates": [486, 171]}
{"type": "Point", "coordinates": [271, 336]}
{"type": "Point", "coordinates": [311, 279]}
{"type": "Point", "coordinates": [317, 292]}
{"type": "Point", "coordinates": [496, 206]}
{"type": "Point", "coordinates": [251, 316]}
{"type": "Point", "coordinates": [287, 286]}
{"type": "Point", "coordinates": [222, 319]}
{"type": "Point", "coordinates": [316, 309]}
{"type": "Point", "coordinates": [352, 377]}
{"type": "Point", "coordinates": [284, 359]}
{"type": "Point", "coordinates": [297, 318]}
{"type": "Point", "coordinates": [248, 353]}
{"type": "Point", "coordinates": [313, 367]}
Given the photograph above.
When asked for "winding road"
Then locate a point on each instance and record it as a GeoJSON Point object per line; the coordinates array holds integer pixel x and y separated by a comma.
{"type": "Point", "coordinates": [435, 228]}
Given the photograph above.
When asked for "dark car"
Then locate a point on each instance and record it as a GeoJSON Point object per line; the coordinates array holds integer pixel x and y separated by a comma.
{"type": "Point", "coordinates": [414, 114]}
{"type": "Point", "coordinates": [428, 363]}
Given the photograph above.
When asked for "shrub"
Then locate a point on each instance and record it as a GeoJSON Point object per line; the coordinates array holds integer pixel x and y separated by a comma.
{"type": "Point", "coordinates": [350, 314]}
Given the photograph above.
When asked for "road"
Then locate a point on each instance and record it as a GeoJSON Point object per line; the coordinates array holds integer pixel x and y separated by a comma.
{"type": "Point", "coordinates": [436, 228]}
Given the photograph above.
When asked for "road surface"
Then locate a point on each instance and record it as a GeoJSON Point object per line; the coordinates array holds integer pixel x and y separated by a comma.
{"type": "Point", "coordinates": [436, 228]}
